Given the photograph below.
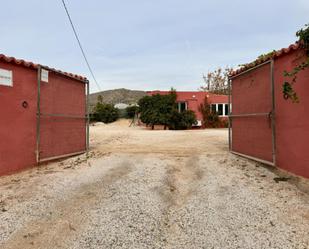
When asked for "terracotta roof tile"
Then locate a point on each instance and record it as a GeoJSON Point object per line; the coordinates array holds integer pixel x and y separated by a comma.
{"type": "Point", "coordinates": [35, 66]}
{"type": "Point", "coordinates": [257, 62]}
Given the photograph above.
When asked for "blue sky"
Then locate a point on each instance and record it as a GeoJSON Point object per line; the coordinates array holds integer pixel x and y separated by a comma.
{"type": "Point", "coordinates": [148, 44]}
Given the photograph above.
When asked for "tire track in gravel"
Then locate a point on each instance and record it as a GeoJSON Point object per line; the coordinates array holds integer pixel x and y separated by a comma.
{"type": "Point", "coordinates": [63, 220]}
{"type": "Point", "coordinates": [181, 182]}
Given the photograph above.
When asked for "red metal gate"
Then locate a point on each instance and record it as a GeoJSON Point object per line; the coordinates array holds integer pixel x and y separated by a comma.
{"type": "Point", "coordinates": [252, 121]}
{"type": "Point", "coordinates": [62, 116]}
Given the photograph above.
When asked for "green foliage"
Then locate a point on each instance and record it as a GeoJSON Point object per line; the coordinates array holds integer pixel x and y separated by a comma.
{"type": "Point", "coordinates": [267, 56]}
{"type": "Point", "coordinates": [182, 121]}
{"type": "Point", "coordinates": [287, 87]}
{"type": "Point", "coordinates": [105, 113]}
{"type": "Point", "coordinates": [210, 118]}
{"type": "Point", "coordinates": [131, 111]}
{"type": "Point", "coordinates": [157, 109]}
{"type": "Point", "coordinates": [162, 110]}
{"type": "Point", "coordinates": [288, 90]}
{"type": "Point", "coordinates": [188, 119]}
{"type": "Point", "coordinates": [303, 35]}
{"type": "Point", "coordinates": [262, 57]}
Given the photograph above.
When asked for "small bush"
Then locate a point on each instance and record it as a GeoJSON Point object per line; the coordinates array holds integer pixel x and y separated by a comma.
{"type": "Point", "coordinates": [182, 120]}
{"type": "Point", "coordinates": [210, 118]}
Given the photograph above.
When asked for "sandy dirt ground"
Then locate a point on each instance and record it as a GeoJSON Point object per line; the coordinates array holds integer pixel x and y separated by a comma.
{"type": "Point", "coordinates": [152, 189]}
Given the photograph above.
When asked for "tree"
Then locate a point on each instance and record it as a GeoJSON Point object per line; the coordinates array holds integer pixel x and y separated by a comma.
{"type": "Point", "coordinates": [147, 115]}
{"type": "Point", "coordinates": [105, 113]}
{"type": "Point", "coordinates": [162, 110]}
{"type": "Point", "coordinates": [210, 118]}
{"type": "Point", "coordinates": [157, 109]}
{"type": "Point", "coordinates": [217, 81]}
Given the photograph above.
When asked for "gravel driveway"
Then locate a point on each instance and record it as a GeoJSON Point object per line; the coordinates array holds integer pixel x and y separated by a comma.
{"type": "Point", "coordinates": [152, 189]}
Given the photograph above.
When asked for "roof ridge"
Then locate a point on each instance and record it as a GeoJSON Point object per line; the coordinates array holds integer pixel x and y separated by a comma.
{"type": "Point", "coordinates": [29, 64]}
{"type": "Point", "coordinates": [272, 55]}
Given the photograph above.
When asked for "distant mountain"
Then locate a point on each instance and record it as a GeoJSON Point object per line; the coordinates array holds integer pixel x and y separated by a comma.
{"type": "Point", "coordinates": [116, 96]}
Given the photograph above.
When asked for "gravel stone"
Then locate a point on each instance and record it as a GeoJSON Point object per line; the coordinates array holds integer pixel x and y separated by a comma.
{"type": "Point", "coordinates": [152, 189]}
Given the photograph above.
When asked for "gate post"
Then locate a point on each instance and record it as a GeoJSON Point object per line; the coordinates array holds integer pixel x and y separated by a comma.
{"type": "Point", "coordinates": [38, 116]}
{"type": "Point", "coordinates": [87, 116]}
{"type": "Point", "coordinates": [229, 112]}
{"type": "Point", "coordinates": [273, 111]}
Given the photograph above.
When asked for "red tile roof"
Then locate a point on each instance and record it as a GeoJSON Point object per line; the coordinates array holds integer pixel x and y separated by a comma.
{"type": "Point", "coordinates": [35, 66]}
{"type": "Point", "coordinates": [274, 55]}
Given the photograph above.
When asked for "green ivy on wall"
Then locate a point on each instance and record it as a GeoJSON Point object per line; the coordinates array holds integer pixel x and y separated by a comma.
{"type": "Point", "coordinates": [288, 90]}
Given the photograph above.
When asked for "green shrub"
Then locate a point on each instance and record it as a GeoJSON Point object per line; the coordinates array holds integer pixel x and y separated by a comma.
{"type": "Point", "coordinates": [182, 121]}
{"type": "Point", "coordinates": [210, 118]}
{"type": "Point", "coordinates": [156, 109]}
{"type": "Point", "coordinates": [105, 113]}
{"type": "Point", "coordinates": [162, 110]}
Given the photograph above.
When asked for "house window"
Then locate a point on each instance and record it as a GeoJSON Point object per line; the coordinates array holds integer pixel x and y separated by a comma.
{"type": "Point", "coordinates": [220, 109]}
{"type": "Point", "coordinates": [182, 106]}
{"type": "Point", "coordinates": [226, 109]}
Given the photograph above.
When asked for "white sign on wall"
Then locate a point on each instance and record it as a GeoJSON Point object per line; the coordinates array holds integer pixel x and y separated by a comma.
{"type": "Point", "coordinates": [6, 77]}
{"type": "Point", "coordinates": [44, 75]}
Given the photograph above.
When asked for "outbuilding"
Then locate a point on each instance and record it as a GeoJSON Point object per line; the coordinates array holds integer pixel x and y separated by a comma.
{"type": "Point", "coordinates": [265, 126]}
{"type": "Point", "coordinates": [43, 114]}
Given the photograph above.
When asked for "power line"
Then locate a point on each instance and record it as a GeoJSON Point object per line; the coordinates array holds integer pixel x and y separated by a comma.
{"type": "Point", "coordinates": [80, 45]}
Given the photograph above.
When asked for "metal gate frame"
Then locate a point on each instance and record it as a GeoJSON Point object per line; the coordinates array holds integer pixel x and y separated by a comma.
{"type": "Point", "coordinates": [271, 114]}
{"type": "Point", "coordinates": [58, 115]}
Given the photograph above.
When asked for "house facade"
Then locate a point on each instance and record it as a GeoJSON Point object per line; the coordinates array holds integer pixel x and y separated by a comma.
{"type": "Point", "coordinates": [193, 100]}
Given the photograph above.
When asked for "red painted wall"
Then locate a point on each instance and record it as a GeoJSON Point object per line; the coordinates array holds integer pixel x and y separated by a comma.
{"type": "Point", "coordinates": [195, 99]}
{"type": "Point", "coordinates": [18, 124]}
{"type": "Point", "coordinates": [292, 125]}
{"type": "Point", "coordinates": [252, 136]}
